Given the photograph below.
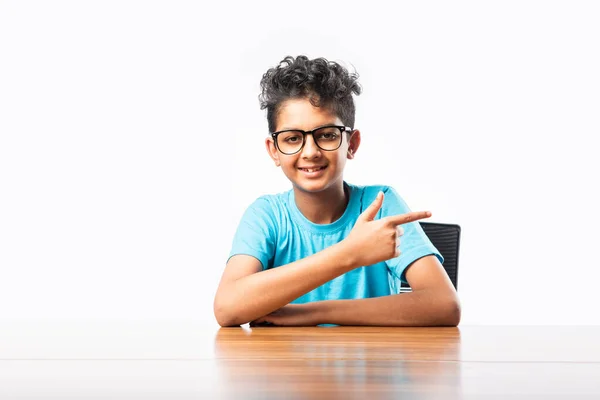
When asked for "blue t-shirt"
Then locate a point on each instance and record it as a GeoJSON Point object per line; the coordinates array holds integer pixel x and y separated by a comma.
{"type": "Point", "coordinates": [274, 231]}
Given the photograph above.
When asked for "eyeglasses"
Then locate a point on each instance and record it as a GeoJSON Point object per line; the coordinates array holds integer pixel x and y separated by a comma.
{"type": "Point", "coordinates": [328, 138]}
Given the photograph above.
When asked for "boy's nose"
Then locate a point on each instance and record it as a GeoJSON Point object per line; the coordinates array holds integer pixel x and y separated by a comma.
{"type": "Point", "coordinates": [310, 147]}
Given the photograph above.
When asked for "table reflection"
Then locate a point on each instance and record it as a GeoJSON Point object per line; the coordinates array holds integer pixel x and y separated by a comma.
{"type": "Point", "coordinates": [336, 362]}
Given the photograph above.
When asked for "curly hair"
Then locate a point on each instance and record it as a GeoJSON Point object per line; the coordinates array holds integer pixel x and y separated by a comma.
{"type": "Point", "coordinates": [324, 83]}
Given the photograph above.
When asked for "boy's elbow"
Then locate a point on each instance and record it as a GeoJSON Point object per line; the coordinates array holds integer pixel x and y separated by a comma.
{"type": "Point", "coordinates": [225, 322]}
{"type": "Point", "coordinates": [222, 319]}
{"type": "Point", "coordinates": [224, 315]}
{"type": "Point", "coordinates": [452, 312]}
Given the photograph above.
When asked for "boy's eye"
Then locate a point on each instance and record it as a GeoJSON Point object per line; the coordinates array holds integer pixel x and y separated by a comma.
{"type": "Point", "coordinates": [292, 139]}
{"type": "Point", "coordinates": [328, 136]}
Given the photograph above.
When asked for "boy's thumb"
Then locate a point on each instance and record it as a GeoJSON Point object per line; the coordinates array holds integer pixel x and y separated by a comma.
{"type": "Point", "coordinates": [371, 211]}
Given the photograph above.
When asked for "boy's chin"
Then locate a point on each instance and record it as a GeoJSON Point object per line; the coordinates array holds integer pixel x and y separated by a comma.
{"type": "Point", "coordinates": [312, 186]}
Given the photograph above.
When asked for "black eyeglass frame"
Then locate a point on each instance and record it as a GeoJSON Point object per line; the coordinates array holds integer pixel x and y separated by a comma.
{"type": "Point", "coordinates": [342, 129]}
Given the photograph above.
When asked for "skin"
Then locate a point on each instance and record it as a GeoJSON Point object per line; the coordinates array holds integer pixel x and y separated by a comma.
{"type": "Point", "coordinates": [248, 294]}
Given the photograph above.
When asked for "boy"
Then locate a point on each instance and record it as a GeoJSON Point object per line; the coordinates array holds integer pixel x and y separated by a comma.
{"type": "Point", "coordinates": [327, 252]}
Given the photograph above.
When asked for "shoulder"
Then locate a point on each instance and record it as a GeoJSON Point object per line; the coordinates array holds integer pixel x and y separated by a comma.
{"type": "Point", "coordinates": [368, 193]}
{"type": "Point", "coordinates": [393, 203]}
{"type": "Point", "coordinates": [269, 206]}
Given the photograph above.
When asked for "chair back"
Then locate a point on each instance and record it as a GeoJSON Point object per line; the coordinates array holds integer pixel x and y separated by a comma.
{"type": "Point", "coordinates": [445, 238]}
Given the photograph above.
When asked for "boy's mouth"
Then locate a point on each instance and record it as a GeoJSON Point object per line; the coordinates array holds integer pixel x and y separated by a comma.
{"type": "Point", "coordinates": [313, 169]}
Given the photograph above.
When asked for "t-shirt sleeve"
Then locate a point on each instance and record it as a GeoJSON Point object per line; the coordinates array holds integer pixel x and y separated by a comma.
{"type": "Point", "coordinates": [414, 243]}
{"type": "Point", "coordinates": [256, 233]}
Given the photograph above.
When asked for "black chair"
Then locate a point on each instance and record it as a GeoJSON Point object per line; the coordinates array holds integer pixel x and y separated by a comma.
{"type": "Point", "coordinates": [446, 238]}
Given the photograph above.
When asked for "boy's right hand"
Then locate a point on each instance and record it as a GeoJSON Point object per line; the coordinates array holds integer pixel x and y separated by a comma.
{"type": "Point", "coordinates": [374, 241]}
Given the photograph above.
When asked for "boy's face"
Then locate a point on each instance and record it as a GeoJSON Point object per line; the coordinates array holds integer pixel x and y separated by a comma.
{"type": "Point", "coordinates": [301, 114]}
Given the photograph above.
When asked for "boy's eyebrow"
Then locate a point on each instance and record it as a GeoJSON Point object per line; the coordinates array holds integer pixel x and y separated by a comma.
{"type": "Point", "coordinates": [298, 129]}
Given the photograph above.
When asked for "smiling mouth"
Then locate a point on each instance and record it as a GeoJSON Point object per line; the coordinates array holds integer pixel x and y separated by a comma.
{"type": "Point", "coordinates": [312, 169]}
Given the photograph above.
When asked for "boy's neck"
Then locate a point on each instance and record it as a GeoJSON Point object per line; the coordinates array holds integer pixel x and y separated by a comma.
{"type": "Point", "coordinates": [324, 207]}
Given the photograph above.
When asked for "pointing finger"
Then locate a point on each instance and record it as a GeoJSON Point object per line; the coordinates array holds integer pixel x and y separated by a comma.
{"type": "Point", "coordinates": [408, 217]}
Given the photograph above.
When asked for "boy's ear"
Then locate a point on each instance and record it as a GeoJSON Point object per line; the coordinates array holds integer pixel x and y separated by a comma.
{"type": "Point", "coordinates": [353, 144]}
{"type": "Point", "coordinates": [272, 150]}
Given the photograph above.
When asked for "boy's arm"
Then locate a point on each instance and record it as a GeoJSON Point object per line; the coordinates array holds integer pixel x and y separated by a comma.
{"type": "Point", "coordinates": [245, 294]}
{"type": "Point", "coordinates": [432, 302]}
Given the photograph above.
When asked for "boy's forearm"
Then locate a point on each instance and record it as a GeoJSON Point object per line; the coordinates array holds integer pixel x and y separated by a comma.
{"type": "Point", "coordinates": [256, 295]}
{"type": "Point", "coordinates": [418, 308]}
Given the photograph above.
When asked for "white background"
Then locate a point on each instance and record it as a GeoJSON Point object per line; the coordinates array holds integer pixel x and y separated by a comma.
{"type": "Point", "coordinates": [131, 141]}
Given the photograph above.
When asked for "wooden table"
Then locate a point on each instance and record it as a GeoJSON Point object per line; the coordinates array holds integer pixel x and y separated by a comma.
{"type": "Point", "coordinates": [393, 363]}
{"type": "Point", "coordinates": [188, 360]}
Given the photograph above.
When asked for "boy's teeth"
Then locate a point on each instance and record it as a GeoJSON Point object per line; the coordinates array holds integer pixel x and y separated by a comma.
{"type": "Point", "coordinates": [311, 169]}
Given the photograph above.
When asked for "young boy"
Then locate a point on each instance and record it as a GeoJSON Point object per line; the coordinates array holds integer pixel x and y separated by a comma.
{"type": "Point", "coordinates": [327, 251]}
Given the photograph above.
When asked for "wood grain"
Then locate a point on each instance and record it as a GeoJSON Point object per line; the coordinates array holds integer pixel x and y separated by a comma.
{"type": "Point", "coordinates": [382, 363]}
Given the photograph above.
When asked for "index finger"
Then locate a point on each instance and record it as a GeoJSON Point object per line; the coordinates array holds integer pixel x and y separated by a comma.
{"type": "Point", "coordinates": [408, 217]}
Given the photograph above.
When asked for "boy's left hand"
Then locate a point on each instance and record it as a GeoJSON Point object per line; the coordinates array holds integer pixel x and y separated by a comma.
{"type": "Point", "coordinates": [289, 315]}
